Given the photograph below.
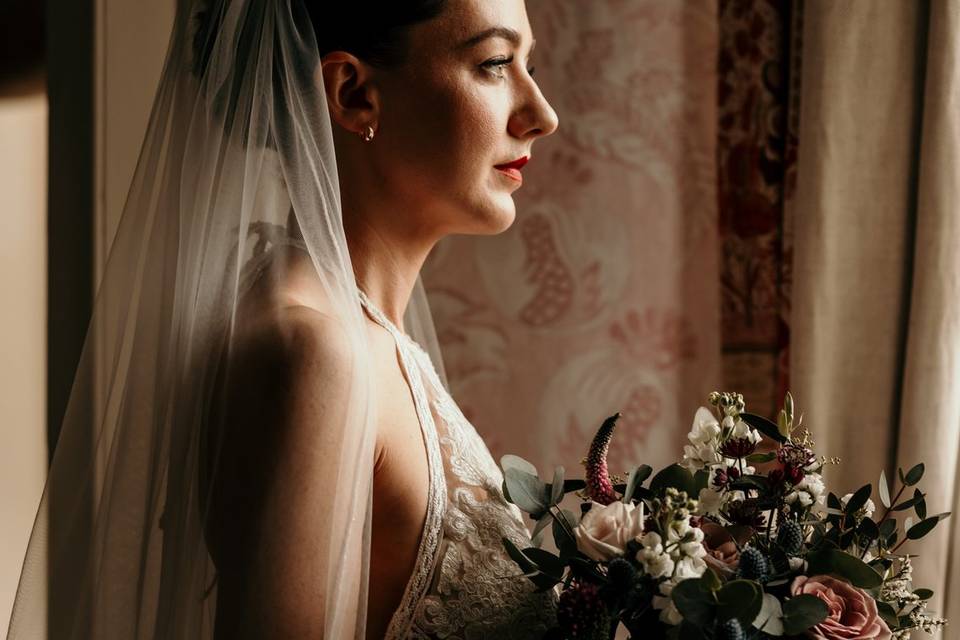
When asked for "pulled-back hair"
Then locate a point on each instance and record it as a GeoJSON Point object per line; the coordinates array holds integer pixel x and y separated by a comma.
{"type": "Point", "coordinates": [376, 32]}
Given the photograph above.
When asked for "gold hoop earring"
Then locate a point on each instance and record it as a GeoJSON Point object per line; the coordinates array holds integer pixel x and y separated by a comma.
{"type": "Point", "coordinates": [367, 134]}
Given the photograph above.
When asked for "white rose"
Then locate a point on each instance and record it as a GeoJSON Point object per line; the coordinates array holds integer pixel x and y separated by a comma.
{"type": "Point", "coordinates": [604, 532]}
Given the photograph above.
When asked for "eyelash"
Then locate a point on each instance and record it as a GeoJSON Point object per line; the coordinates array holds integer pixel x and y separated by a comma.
{"type": "Point", "coordinates": [495, 65]}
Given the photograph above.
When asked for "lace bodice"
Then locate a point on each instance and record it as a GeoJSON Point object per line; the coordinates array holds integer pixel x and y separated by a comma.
{"type": "Point", "coordinates": [464, 585]}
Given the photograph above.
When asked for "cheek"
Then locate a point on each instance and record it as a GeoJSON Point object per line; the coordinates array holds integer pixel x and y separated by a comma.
{"type": "Point", "coordinates": [448, 133]}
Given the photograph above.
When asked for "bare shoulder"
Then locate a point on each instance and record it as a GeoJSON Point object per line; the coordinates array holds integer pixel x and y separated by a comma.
{"type": "Point", "coordinates": [282, 436]}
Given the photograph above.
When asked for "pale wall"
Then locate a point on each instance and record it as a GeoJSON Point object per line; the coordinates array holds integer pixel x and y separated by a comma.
{"type": "Point", "coordinates": [23, 326]}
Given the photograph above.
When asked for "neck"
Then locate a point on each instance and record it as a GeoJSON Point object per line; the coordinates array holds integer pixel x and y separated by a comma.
{"type": "Point", "coordinates": [386, 260]}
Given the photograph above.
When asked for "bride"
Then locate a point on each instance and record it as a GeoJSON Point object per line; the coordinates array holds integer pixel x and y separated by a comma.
{"type": "Point", "coordinates": [274, 453]}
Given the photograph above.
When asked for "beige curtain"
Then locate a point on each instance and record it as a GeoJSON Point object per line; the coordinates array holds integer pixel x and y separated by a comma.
{"type": "Point", "coordinates": [876, 303]}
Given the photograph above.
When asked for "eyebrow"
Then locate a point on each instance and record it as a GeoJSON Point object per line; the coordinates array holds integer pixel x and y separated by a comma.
{"type": "Point", "coordinates": [508, 34]}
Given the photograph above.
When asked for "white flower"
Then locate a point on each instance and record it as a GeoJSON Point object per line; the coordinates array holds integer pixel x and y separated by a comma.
{"type": "Point", "coordinates": [809, 491]}
{"type": "Point", "coordinates": [797, 564]}
{"type": "Point", "coordinates": [709, 501]}
{"type": "Point", "coordinates": [704, 439]}
{"type": "Point", "coordinates": [689, 567]}
{"type": "Point", "coordinates": [604, 532]}
{"type": "Point", "coordinates": [656, 562]}
{"type": "Point", "coordinates": [866, 510]}
{"type": "Point", "coordinates": [743, 430]}
{"type": "Point", "coordinates": [664, 603]}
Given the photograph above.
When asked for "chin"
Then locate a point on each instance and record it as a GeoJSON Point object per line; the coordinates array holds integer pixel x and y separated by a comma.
{"type": "Point", "coordinates": [496, 219]}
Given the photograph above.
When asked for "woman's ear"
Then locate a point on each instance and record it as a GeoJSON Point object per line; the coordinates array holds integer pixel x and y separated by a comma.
{"type": "Point", "coordinates": [352, 98]}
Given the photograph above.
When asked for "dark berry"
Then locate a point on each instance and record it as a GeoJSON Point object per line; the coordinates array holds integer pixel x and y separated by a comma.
{"type": "Point", "coordinates": [790, 537]}
{"type": "Point", "coordinates": [753, 565]}
{"type": "Point", "coordinates": [729, 630]}
{"type": "Point", "coordinates": [581, 613]}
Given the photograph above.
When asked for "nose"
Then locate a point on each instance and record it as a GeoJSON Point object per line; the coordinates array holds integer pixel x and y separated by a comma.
{"type": "Point", "coordinates": [533, 117]}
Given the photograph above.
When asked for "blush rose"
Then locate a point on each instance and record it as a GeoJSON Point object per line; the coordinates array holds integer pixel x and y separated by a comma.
{"type": "Point", "coordinates": [852, 613]}
{"type": "Point", "coordinates": [604, 532]}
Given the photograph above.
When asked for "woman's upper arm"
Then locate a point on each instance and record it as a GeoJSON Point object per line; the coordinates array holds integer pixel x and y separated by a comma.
{"type": "Point", "coordinates": [289, 431]}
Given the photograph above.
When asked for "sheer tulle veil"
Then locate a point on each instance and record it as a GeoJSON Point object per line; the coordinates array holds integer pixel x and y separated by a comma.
{"type": "Point", "coordinates": [237, 163]}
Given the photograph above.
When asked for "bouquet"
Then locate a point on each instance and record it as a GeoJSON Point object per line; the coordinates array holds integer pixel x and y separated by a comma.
{"type": "Point", "coordinates": [740, 539]}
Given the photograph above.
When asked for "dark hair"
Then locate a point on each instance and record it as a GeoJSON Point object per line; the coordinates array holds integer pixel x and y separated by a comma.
{"type": "Point", "coordinates": [375, 32]}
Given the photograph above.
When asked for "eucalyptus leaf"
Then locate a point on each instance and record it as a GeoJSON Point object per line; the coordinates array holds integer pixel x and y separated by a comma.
{"type": "Point", "coordinates": [802, 612]}
{"type": "Point", "coordinates": [676, 477]}
{"type": "Point", "coordinates": [922, 528]}
{"type": "Point", "coordinates": [858, 499]}
{"type": "Point", "coordinates": [710, 580]}
{"type": "Point", "coordinates": [636, 478]}
{"type": "Point", "coordinates": [770, 618]}
{"type": "Point", "coordinates": [833, 502]}
{"type": "Point", "coordinates": [760, 458]}
{"type": "Point", "coordinates": [883, 489]}
{"type": "Point", "coordinates": [923, 594]}
{"type": "Point", "coordinates": [525, 564]}
{"type": "Point", "coordinates": [907, 504]}
{"type": "Point", "coordinates": [920, 508]}
{"type": "Point", "coordinates": [694, 602]}
{"type": "Point", "coordinates": [887, 527]}
{"type": "Point", "coordinates": [887, 612]}
{"type": "Point", "coordinates": [841, 563]}
{"type": "Point", "coordinates": [868, 529]}
{"type": "Point", "coordinates": [511, 461]}
{"type": "Point", "coordinates": [556, 487]}
{"type": "Point", "coordinates": [764, 426]}
{"type": "Point", "coordinates": [740, 599]}
{"type": "Point", "coordinates": [913, 476]}
{"type": "Point", "coordinates": [527, 491]}
{"type": "Point", "coordinates": [701, 479]}
{"type": "Point", "coordinates": [542, 524]}
{"type": "Point", "coordinates": [564, 523]}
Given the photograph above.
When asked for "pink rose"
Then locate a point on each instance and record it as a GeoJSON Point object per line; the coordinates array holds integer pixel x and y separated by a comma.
{"type": "Point", "coordinates": [852, 612]}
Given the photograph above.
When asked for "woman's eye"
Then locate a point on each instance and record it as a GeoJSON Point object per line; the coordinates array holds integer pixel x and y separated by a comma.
{"type": "Point", "coordinates": [496, 66]}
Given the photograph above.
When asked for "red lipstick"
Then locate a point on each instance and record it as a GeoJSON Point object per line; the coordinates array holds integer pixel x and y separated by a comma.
{"type": "Point", "coordinates": [512, 169]}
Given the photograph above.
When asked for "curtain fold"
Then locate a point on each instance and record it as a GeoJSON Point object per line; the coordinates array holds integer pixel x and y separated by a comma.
{"type": "Point", "coordinates": [876, 299]}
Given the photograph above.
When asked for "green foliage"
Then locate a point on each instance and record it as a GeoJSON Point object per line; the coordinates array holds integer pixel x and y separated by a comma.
{"type": "Point", "coordinates": [764, 426]}
{"type": "Point", "coordinates": [636, 479]}
{"type": "Point", "coordinates": [676, 477]}
{"type": "Point", "coordinates": [844, 565]}
{"type": "Point", "coordinates": [802, 612]}
{"type": "Point", "coordinates": [858, 500]}
{"type": "Point", "coordinates": [527, 491]}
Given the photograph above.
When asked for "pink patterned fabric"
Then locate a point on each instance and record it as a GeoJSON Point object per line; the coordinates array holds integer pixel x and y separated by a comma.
{"type": "Point", "coordinates": [603, 296]}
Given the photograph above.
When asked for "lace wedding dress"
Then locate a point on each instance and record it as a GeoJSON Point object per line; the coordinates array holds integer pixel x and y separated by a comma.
{"type": "Point", "coordinates": [464, 585]}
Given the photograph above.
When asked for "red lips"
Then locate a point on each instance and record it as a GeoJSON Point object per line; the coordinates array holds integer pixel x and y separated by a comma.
{"type": "Point", "coordinates": [515, 164]}
{"type": "Point", "coordinates": [512, 169]}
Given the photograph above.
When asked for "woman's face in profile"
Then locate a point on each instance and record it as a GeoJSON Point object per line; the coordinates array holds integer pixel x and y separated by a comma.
{"type": "Point", "coordinates": [462, 106]}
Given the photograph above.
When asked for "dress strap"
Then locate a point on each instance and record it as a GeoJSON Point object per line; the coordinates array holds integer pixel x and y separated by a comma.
{"type": "Point", "coordinates": [437, 495]}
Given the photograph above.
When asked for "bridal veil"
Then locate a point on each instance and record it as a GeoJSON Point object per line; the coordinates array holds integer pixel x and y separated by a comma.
{"type": "Point", "coordinates": [238, 160]}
